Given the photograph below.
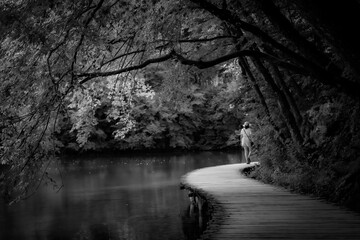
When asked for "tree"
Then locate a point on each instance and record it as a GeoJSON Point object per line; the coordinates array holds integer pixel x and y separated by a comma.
{"type": "Point", "coordinates": [290, 51]}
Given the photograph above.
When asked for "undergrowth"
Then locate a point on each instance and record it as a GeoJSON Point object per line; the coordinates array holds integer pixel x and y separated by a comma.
{"type": "Point", "coordinates": [328, 168]}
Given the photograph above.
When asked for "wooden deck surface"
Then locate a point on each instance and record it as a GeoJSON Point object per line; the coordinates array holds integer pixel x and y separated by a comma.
{"type": "Point", "coordinates": [249, 209]}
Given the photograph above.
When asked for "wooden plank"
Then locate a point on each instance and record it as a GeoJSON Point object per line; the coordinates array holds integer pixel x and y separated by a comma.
{"type": "Point", "coordinates": [247, 209]}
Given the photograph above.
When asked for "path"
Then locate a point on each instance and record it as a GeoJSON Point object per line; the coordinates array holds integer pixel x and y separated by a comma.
{"type": "Point", "coordinates": [249, 209]}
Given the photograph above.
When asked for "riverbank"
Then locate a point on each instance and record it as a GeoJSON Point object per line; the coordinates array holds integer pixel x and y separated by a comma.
{"type": "Point", "coordinates": [117, 152]}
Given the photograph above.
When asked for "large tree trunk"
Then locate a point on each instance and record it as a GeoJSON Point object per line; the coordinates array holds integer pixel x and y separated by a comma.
{"type": "Point", "coordinates": [281, 83]}
{"type": "Point", "coordinates": [283, 104]}
{"type": "Point", "coordinates": [245, 66]}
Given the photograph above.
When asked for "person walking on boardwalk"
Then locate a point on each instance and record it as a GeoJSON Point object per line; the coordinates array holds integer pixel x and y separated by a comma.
{"type": "Point", "coordinates": [246, 142]}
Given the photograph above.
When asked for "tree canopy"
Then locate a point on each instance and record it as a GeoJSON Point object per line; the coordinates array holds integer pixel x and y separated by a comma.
{"type": "Point", "coordinates": [148, 72]}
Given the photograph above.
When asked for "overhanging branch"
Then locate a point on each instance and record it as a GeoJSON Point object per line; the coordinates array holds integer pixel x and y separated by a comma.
{"type": "Point", "coordinates": [89, 76]}
{"type": "Point", "coordinates": [196, 63]}
{"type": "Point", "coordinates": [166, 45]}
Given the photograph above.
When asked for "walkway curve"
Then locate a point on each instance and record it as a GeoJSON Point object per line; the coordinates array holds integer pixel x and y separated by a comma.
{"type": "Point", "coordinates": [248, 209]}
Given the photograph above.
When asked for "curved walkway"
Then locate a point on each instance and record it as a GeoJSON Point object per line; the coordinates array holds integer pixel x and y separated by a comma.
{"type": "Point", "coordinates": [248, 209]}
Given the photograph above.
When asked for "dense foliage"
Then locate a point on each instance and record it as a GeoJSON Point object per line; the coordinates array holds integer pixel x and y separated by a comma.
{"type": "Point", "coordinates": [126, 74]}
{"type": "Point", "coordinates": [179, 117]}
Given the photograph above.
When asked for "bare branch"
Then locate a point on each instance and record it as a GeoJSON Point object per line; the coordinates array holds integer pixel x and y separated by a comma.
{"type": "Point", "coordinates": [202, 39]}
{"type": "Point", "coordinates": [122, 55]}
{"type": "Point", "coordinates": [89, 76]}
{"type": "Point", "coordinates": [197, 63]}
{"type": "Point", "coordinates": [98, 6]}
{"type": "Point", "coordinates": [166, 45]}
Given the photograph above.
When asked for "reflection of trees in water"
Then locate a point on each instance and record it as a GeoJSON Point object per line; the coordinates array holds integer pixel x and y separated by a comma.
{"type": "Point", "coordinates": [134, 197]}
{"type": "Point", "coordinates": [104, 232]}
{"type": "Point", "coordinates": [96, 231]}
{"type": "Point", "coordinates": [195, 217]}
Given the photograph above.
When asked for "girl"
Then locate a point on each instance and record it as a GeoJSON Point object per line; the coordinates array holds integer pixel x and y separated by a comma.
{"type": "Point", "coordinates": [245, 134]}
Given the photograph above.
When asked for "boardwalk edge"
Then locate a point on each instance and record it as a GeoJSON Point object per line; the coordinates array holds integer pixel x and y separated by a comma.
{"type": "Point", "coordinates": [215, 209]}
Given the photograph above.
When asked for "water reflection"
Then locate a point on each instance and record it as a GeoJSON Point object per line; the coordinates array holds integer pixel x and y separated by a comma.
{"type": "Point", "coordinates": [195, 217]}
{"type": "Point", "coordinates": [113, 197]}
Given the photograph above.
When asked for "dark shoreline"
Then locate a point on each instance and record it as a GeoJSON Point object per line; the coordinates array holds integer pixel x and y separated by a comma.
{"type": "Point", "coordinates": [214, 210]}
{"type": "Point", "coordinates": [147, 152]}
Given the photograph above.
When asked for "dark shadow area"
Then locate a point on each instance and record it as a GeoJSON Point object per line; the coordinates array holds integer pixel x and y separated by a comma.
{"type": "Point", "coordinates": [196, 217]}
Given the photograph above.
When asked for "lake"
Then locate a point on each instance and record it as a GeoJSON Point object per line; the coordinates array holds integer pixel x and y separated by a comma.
{"type": "Point", "coordinates": [112, 197]}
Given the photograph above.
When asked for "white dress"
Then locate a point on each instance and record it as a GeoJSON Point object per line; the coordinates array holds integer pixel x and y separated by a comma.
{"type": "Point", "coordinates": [245, 133]}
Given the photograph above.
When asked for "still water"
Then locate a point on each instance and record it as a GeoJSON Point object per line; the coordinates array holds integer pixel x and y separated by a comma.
{"type": "Point", "coordinates": [112, 197]}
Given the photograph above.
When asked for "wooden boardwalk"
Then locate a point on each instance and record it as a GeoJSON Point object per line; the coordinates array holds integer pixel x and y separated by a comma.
{"type": "Point", "coordinates": [248, 209]}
